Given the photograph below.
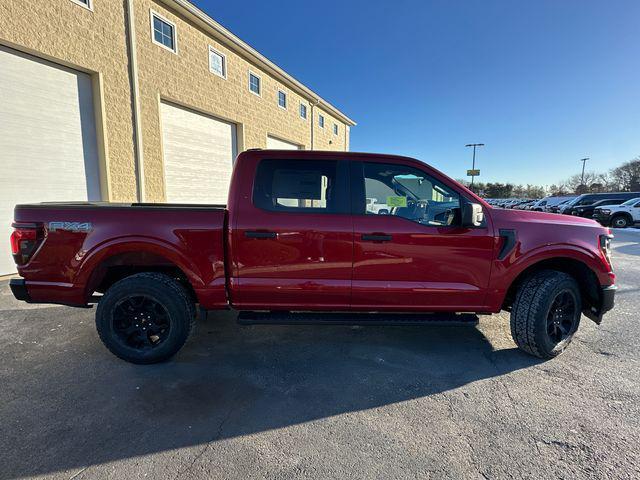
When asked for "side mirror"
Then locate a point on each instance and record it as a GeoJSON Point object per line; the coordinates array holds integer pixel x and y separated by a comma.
{"type": "Point", "coordinates": [472, 215]}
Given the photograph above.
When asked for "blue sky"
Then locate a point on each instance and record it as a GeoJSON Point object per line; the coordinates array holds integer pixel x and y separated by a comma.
{"type": "Point", "coordinates": [542, 83]}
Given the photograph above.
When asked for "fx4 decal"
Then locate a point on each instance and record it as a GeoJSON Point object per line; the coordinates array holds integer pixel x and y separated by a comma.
{"type": "Point", "coordinates": [71, 226]}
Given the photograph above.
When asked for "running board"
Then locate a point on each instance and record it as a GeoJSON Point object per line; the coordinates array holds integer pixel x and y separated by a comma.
{"type": "Point", "coordinates": [361, 319]}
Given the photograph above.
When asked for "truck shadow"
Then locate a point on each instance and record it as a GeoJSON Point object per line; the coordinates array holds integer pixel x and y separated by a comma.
{"type": "Point", "coordinates": [81, 406]}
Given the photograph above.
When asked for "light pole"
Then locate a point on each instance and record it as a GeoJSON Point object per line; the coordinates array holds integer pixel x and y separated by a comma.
{"type": "Point", "coordinates": [473, 165]}
{"type": "Point", "coordinates": [584, 162]}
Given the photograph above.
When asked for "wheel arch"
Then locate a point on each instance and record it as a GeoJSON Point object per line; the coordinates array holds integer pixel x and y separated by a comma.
{"type": "Point", "coordinates": [581, 272]}
{"type": "Point", "coordinates": [626, 215]}
{"type": "Point", "coordinates": [114, 262]}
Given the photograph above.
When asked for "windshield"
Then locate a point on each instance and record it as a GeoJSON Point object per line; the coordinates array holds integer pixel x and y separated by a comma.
{"type": "Point", "coordinates": [581, 200]}
{"type": "Point", "coordinates": [631, 202]}
{"type": "Point", "coordinates": [421, 189]}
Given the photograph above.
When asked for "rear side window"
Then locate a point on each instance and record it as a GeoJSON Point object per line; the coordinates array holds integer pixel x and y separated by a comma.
{"type": "Point", "coordinates": [301, 186]}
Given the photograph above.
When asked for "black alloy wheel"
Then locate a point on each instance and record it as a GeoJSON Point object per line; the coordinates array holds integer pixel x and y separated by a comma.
{"type": "Point", "coordinates": [562, 318]}
{"type": "Point", "coordinates": [141, 322]}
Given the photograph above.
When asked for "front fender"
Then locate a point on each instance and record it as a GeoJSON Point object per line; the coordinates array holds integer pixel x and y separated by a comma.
{"type": "Point", "coordinates": [506, 271]}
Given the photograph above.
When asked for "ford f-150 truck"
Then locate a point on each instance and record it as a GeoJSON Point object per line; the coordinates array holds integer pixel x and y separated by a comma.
{"type": "Point", "coordinates": [296, 244]}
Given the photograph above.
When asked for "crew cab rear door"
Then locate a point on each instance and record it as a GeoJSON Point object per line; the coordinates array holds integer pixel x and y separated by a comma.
{"type": "Point", "coordinates": [412, 253]}
{"type": "Point", "coordinates": [292, 237]}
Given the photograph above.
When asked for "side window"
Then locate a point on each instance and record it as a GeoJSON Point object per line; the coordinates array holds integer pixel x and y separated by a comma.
{"type": "Point", "coordinates": [301, 186]}
{"type": "Point", "coordinates": [410, 193]}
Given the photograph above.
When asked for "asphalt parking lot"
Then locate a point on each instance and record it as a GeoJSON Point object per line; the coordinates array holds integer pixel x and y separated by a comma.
{"type": "Point", "coordinates": [323, 402]}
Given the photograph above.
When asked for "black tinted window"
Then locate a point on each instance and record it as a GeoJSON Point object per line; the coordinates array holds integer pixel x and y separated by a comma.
{"type": "Point", "coordinates": [301, 185]}
{"type": "Point", "coordinates": [585, 200]}
{"type": "Point", "coordinates": [409, 193]}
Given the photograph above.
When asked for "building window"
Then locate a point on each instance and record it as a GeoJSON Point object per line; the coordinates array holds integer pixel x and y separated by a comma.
{"type": "Point", "coordinates": [163, 32]}
{"type": "Point", "coordinates": [321, 121]}
{"type": "Point", "coordinates": [335, 128]}
{"type": "Point", "coordinates": [217, 63]}
{"type": "Point", "coordinates": [254, 83]}
{"type": "Point", "coordinates": [282, 99]}
{"type": "Point", "coordinates": [303, 111]}
{"type": "Point", "coordinates": [88, 4]}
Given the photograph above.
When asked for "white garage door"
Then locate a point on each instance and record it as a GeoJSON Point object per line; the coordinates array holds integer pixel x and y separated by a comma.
{"type": "Point", "coordinates": [48, 149]}
{"type": "Point", "coordinates": [198, 155]}
{"type": "Point", "coordinates": [274, 143]}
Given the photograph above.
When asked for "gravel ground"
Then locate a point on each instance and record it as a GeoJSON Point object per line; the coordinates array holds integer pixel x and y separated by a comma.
{"type": "Point", "coordinates": [323, 402]}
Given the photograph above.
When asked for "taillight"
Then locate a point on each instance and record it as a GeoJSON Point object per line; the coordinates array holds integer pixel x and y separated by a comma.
{"type": "Point", "coordinates": [25, 240]}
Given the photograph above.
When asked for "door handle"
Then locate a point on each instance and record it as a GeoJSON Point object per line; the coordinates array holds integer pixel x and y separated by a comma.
{"type": "Point", "coordinates": [260, 235]}
{"type": "Point", "coordinates": [376, 237]}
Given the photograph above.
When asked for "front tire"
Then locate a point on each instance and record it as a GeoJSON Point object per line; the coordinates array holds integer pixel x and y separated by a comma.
{"type": "Point", "coordinates": [620, 221]}
{"type": "Point", "coordinates": [145, 318]}
{"type": "Point", "coordinates": [546, 313]}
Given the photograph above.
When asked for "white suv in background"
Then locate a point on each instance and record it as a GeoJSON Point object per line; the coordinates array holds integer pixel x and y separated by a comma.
{"type": "Point", "coordinates": [619, 216]}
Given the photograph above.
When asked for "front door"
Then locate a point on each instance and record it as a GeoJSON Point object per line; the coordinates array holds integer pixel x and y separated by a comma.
{"type": "Point", "coordinates": [410, 250]}
{"type": "Point", "coordinates": [293, 240]}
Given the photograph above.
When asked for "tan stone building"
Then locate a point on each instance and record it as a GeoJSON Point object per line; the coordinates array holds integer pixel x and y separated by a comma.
{"type": "Point", "coordinates": [147, 100]}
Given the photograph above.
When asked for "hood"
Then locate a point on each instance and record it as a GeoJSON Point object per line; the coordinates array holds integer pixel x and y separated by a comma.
{"type": "Point", "coordinates": [537, 231]}
{"type": "Point", "coordinates": [501, 217]}
{"type": "Point", "coordinates": [613, 207]}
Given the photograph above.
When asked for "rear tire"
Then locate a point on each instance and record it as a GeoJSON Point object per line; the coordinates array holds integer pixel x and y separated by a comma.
{"type": "Point", "coordinates": [145, 318]}
{"type": "Point", "coordinates": [620, 221]}
{"type": "Point", "coordinates": [546, 313]}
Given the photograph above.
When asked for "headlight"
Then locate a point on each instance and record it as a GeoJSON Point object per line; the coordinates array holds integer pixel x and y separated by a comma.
{"type": "Point", "coordinates": [605, 211]}
{"type": "Point", "coordinates": [605, 246]}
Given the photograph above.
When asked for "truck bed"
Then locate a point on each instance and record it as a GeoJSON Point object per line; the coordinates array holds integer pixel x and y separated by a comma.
{"type": "Point", "coordinates": [84, 244]}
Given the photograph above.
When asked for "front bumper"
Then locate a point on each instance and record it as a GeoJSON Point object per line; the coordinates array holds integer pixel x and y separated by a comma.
{"type": "Point", "coordinates": [601, 218]}
{"type": "Point", "coordinates": [19, 289]}
{"type": "Point", "coordinates": [606, 303]}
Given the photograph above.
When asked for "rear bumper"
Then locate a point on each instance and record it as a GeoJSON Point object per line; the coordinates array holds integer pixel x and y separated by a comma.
{"type": "Point", "coordinates": [48, 292]}
{"type": "Point", "coordinates": [607, 301]}
{"type": "Point", "coordinates": [19, 289]}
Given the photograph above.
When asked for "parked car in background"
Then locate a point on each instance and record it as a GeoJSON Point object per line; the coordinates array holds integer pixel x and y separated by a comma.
{"type": "Point", "coordinates": [546, 203]}
{"type": "Point", "coordinates": [525, 204]}
{"type": "Point", "coordinates": [588, 210]}
{"type": "Point", "coordinates": [379, 208]}
{"type": "Point", "coordinates": [619, 216]}
{"type": "Point", "coordinates": [296, 242]}
{"type": "Point", "coordinates": [557, 207]}
{"type": "Point", "coordinates": [510, 203]}
{"type": "Point", "coordinates": [591, 198]}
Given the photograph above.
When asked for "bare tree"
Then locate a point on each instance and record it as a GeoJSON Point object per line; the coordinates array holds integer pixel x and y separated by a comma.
{"type": "Point", "coordinates": [575, 183]}
{"type": "Point", "coordinates": [627, 175]}
{"type": "Point", "coordinates": [608, 182]}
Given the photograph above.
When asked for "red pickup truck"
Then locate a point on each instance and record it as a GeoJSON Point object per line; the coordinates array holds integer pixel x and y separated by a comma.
{"type": "Point", "coordinates": [299, 236]}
